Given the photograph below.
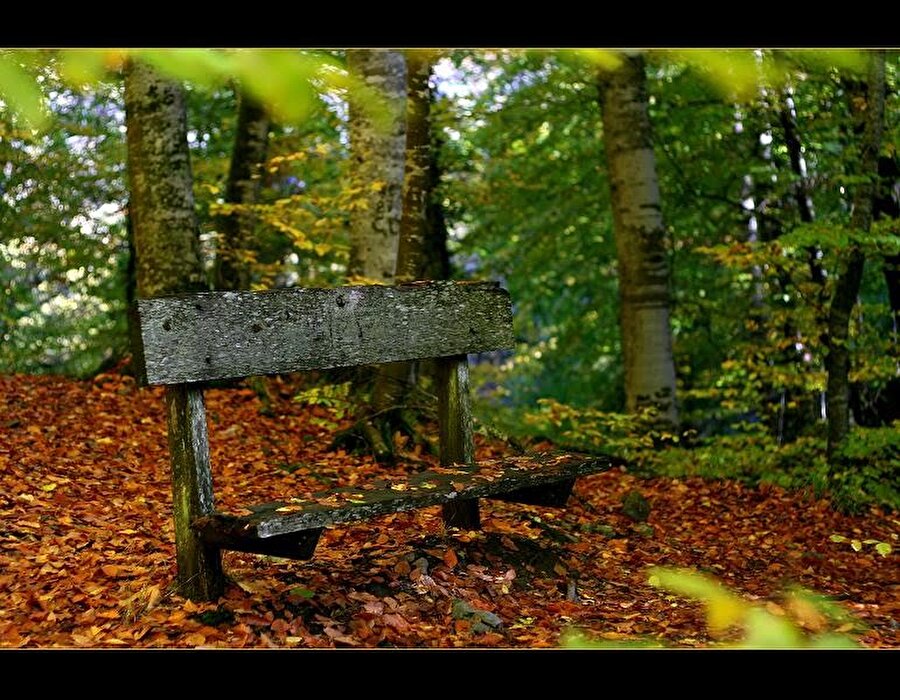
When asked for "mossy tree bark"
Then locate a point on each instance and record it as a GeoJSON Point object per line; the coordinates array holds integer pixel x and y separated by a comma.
{"type": "Point", "coordinates": [641, 241]}
{"type": "Point", "coordinates": [166, 232]}
{"type": "Point", "coordinates": [166, 238]}
{"type": "Point", "coordinates": [867, 107]}
{"type": "Point", "coordinates": [378, 159]}
{"type": "Point", "coordinates": [378, 164]}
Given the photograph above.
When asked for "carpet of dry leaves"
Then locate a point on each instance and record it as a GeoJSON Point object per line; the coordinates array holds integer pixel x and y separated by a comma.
{"type": "Point", "coordinates": [86, 542]}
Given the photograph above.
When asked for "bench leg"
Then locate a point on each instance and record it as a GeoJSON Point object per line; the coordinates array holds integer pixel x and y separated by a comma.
{"type": "Point", "coordinates": [200, 574]}
{"type": "Point", "coordinates": [457, 441]}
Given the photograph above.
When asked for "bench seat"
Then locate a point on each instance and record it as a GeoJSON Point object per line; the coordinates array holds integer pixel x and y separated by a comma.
{"type": "Point", "coordinates": [291, 528]}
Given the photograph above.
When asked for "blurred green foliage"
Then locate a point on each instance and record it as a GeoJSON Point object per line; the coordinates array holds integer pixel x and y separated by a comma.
{"type": "Point", "coordinates": [805, 620]}
{"type": "Point", "coordinates": [286, 81]}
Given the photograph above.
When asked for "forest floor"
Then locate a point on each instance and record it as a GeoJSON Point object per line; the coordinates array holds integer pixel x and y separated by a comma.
{"type": "Point", "coordinates": [87, 555]}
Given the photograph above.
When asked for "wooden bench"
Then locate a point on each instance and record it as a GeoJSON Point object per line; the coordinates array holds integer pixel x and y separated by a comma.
{"type": "Point", "coordinates": [191, 339]}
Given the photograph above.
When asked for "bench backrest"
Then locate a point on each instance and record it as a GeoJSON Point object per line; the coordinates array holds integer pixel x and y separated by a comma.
{"type": "Point", "coordinates": [220, 335]}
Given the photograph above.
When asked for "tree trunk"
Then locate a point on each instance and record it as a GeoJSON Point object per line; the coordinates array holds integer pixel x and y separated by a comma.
{"type": "Point", "coordinates": [412, 252]}
{"type": "Point", "coordinates": [166, 238]}
{"type": "Point", "coordinates": [887, 205]}
{"type": "Point", "coordinates": [234, 249]}
{"type": "Point", "coordinates": [788, 118]}
{"type": "Point", "coordinates": [867, 107]}
{"type": "Point", "coordinates": [378, 168]}
{"type": "Point", "coordinates": [641, 244]}
{"type": "Point", "coordinates": [437, 255]}
{"type": "Point", "coordinates": [377, 175]}
{"type": "Point", "coordinates": [810, 408]}
{"type": "Point", "coordinates": [395, 383]}
{"type": "Point", "coordinates": [166, 232]}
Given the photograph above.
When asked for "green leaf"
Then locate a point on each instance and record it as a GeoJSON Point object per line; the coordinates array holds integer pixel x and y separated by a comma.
{"type": "Point", "coordinates": [301, 592]}
{"type": "Point", "coordinates": [723, 608]}
{"type": "Point", "coordinates": [20, 91]}
{"type": "Point", "coordinates": [204, 67]}
{"type": "Point", "coordinates": [767, 631]}
{"type": "Point", "coordinates": [838, 538]}
{"type": "Point", "coordinates": [833, 641]}
{"type": "Point", "coordinates": [856, 545]}
{"type": "Point", "coordinates": [883, 548]}
{"type": "Point", "coordinates": [79, 67]}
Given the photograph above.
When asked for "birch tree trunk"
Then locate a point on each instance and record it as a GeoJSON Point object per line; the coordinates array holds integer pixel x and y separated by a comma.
{"type": "Point", "coordinates": [867, 107]}
{"type": "Point", "coordinates": [396, 382]}
{"type": "Point", "coordinates": [378, 159]}
{"type": "Point", "coordinates": [641, 244]}
{"type": "Point", "coordinates": [166, 239]}
{"type": "Point", "coordinates": [234, 251]}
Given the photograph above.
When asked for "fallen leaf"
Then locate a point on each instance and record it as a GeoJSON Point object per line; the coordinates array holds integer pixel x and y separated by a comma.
{"type": "Point", "coordinates": [195, 640]}
{"type": "Point", "coordinates": [450, 558]}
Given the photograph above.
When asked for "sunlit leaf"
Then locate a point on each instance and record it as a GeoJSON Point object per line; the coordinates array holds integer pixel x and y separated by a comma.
{"type": "Point", "coordinates": [602, 58]}
{"type": "Point", "coordinates": [723, 608]}
{"type": "Point", "coordinates": [767, 631]}
{"type": "Point", "coordinates": [205, 67]}
{"type": "Point", "coordinates": [853, 61]}
{"type": "Point", "coordinates": [833, 641]}
{"type": "Point", "coordinates": [19, 90]}
{"type": "Point", "coordinates": [79, 67]}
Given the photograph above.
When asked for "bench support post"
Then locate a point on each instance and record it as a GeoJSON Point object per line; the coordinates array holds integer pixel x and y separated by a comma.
{"type": "Point", "coordinates": [457, 443]}
{"type": "Point", "coordinates": [200, 574]}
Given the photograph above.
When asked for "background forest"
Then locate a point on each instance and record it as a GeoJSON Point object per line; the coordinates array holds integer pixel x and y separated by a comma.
{"type": "Point", "coordinates": [760, 160]}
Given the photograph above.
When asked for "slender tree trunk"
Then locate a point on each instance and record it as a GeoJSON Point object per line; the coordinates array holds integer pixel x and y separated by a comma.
{"type": "Point", "coordinates": [378, 159]}
{"type": "Point", "coordinates": [644, 285]}
{"type": "Point", "coordinates": [887, 205]}
{"type": "Point", "coordinates": [234, 250]}
{"type": "Point", "coordinates": [810, 407]}
{"type": "Point", "coordinates": [788, 118]}
{"type": "Point", "coordinates": [166, 238]}
{"type": "Point", "coordinates": [867, 106]}
{"type": "Point", "coordinates": [437, 255]}
{"type": "Point", "coordinates": [412, 252]}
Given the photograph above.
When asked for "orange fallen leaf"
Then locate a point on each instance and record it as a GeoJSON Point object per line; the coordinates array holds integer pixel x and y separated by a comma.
{"type": "Point", "coordinates": [403, 568]}
{"type": "Point", "coordinates": [450, 558]}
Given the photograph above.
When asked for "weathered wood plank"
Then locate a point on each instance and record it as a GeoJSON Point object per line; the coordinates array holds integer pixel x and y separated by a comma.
{"type": "Point", "coordinates": [199, 562]}
{"type": "Point", "coordinates": [439, 486]}
{"type": "Point", "coordinates": [221, 335]}
{"type": "Point", "coordinates": [457, 443]}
